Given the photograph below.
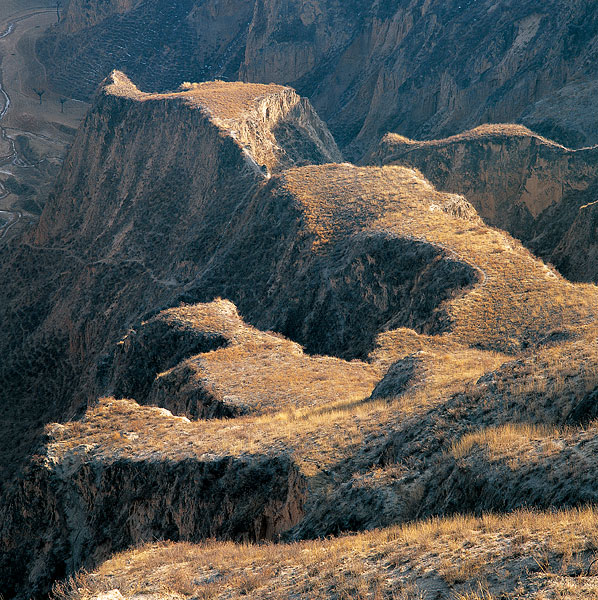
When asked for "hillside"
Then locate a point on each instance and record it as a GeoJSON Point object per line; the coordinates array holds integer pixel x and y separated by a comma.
{"type": "Point", "coordinates": [527, 554]}
{"type": "Point", "coordinates": [129, 226]}
{"type": "Point", "coordinates": [539, 191]}
{"type": "Point", "coordinates": [228, 332]}
{"type": "Point", "coordinates": [422, 69]}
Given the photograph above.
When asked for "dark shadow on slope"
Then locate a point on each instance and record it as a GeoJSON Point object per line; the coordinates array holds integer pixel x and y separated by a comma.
{"type": "Point", "coordinates": [336, 303]}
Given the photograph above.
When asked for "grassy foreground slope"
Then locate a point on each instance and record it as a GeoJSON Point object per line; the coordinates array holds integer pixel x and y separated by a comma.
{"type": "Point", "coordinates": [523, 555]}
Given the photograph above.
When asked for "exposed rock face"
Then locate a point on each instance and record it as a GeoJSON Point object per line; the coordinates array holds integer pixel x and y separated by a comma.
{"type": "Point", "coordinates": [577, 251]}
{"type": "Point", "coordinates": [420, 68]}
{"type": "Point", "coordinates": [423, 69]}
{"type": "Point", "coordinates": [130, 225]}
{"type": "Point", "coordinates": [534, 188]}
{"type": "Point", "coordinates": [78, 502]}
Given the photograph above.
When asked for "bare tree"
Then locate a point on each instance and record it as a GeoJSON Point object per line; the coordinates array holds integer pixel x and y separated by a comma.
{"type": "Point", "coordinates": [57, 11]}
{"type": "Point", "coordinates": [40, 93]}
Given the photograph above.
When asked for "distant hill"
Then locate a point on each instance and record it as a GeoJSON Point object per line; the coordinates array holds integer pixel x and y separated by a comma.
{"type": "Point", "coordinates": [425, 69]}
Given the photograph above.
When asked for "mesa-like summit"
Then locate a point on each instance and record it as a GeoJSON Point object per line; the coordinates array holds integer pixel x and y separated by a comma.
{"type": "Point", "coordinates": [298, 299]}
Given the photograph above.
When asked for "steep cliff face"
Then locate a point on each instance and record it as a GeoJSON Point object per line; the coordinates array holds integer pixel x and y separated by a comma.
{"type": "Point", "coordinates": [576, 253]}
{"type": "Point", "coordinates": [518, 181]}
{"type": "Point", "coordinates": [247, 129]}
{"type": "Point", "coordinates": [82, 498]}
{"type": "Point", "coordinates": [420, 68]}
{"type": "Point", "coordinates": [130, 225]}
{"type": "Point", "coordinates": [423, 69]}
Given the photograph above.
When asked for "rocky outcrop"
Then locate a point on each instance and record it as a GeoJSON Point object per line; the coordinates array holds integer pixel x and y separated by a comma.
{"type": "Point", "coordinates": [423, 69]}
{"type": "Point", "coordinates": [420, 68]}
{"type": "Point", "coordinates": [82, 498]}
{"type": "Point", "coordinates": [534, 188]}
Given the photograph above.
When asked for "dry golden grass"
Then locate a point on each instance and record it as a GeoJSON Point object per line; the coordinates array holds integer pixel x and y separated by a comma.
{"type": "Point", "coordinates": [518, 299]}
{"type": "Point", "coordinates": [548, 386]}
{"type": "Point", "coordinates": [226, 100]}
{"type": "Point", "coordinates": [502, 440]}
{"type": "Point", "coordinates": [262, 371]}
{"type": "Point", "coordinates": [320, 414]}
{"type": "Point", "coordinates": [247, 113]}
{"type": "Point", "coordinates": [323, 416]}
{"type": "Point", "coordinates": [487, 131]}
{"type": "Point", "coordinates": [524, 554]}
{"type": "Point", "coordinates": [267, 378]}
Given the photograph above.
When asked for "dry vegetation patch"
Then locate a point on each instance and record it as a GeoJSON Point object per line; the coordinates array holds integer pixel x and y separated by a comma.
{"type": "Point", "coordinates": [517, 301]}
{"type": "Point", "coordinates": [525, 554]}
{"type": "Point", "coordinates": [242, 371]}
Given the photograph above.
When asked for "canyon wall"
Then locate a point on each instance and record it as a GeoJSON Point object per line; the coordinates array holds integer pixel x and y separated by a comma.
{"type": "Point", "coordinates": [188, 234]}
{"type": "Point", "coordinates": [539, 191]}
{"type": "Point", "coordinates": [421, 68]}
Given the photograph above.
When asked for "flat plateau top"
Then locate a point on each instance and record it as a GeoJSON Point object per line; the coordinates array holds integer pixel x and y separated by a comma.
{"type": "Point", "coordinates": [487, 132]}
{"type": "Point", "coordinates": [224, 99]}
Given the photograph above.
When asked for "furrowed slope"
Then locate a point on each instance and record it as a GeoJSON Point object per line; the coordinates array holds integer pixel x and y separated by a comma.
{"type": "Point", "coordinates": [534, 188]}
{"type": "Point", "coordinates": [160, 43]}
{"type": "Point", "coordinates": [423, 69]}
